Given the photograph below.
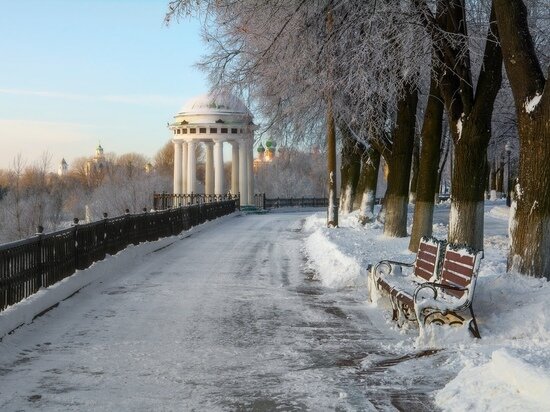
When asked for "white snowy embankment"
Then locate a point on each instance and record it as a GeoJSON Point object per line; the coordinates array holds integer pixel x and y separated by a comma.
{"type": "Point", "coordinates": [509, 368]}
{"type": "Point", "coordinates": [26, 311]}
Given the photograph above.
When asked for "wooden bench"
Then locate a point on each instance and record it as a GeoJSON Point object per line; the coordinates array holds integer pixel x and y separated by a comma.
{"type": "Point", "coordinates": [387, 274]}
{"type": "Point", "coordinates": [442, 299]}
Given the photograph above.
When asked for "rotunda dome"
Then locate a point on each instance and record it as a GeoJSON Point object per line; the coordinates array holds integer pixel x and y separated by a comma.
{"type": "Point", "coordinates": [261, 148]}
{"type": "Point", "coordinates": [217, 102]}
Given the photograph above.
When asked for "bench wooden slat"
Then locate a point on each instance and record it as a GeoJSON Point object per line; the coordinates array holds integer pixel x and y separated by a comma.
{"type": "Point", "coordinates": [426, 247]}
{"type": "Point", "coordinates": [455, 293]}
{"type": "Point", "coordinates": [423, 274]}
{"type": "Point", "coordinates": [460, 270]}
{"type": "Point", "coordinates": [424, 269]}
{"type": "Point", "coordinates": [384, 285]}
{"type": "Point", "coordinates": [457, 257]}
{"type": "Point", "coordinates": [428, 257]}
{"type": "Point", "coordinates": [455, 279]}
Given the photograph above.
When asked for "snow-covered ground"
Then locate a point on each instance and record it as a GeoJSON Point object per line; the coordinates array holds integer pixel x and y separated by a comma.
{"type": "Point", "coordinates": [228, 317]}
{"type": "Point", "coordinates": [270, 312]}
{"type": "Point", "coordinates": [509, 368]}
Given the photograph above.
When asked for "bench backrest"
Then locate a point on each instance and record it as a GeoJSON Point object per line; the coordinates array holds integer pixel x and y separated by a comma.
{"type": "Point", "coordinates": [426, 265]}
{"type": "Point", "coordinates": [460, 267]}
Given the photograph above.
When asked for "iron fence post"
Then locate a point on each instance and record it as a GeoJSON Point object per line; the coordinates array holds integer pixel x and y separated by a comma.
{"type": "Point", "coordinates": [75, 242]}
{"type": "Point", "coordinates": [39, 260]}
{"type": "Point", "coordinates": [147, 222]}
{"type": "Point", "coordinates": [127, 226]}
{"type": "Point", "coordinates": [105, 215]}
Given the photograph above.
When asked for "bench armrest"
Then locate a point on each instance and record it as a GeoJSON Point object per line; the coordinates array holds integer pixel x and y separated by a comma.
{"type": "Point", "coordinates": [434, 286]}
{"type": "Point", "coordinates": [439, 285]}
{"type": "Point", "coordinates": [426, 285]}
{"type": "Point", "coordinates": [376, 269]}
{"type": "Point", "coordinates": [393, 262]}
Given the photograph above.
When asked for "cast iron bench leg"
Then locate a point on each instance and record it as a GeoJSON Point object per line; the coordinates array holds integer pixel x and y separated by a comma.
{"type": "Point", "coordinates": [473, 324]}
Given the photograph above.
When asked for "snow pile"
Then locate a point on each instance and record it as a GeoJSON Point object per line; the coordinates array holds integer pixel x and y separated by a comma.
{"type": "Point", "coordinates": [508, 383]}
{"type": "Point", "coordinates": [509, 368]}
{"type": "Point", "coordinates": [339, 257]}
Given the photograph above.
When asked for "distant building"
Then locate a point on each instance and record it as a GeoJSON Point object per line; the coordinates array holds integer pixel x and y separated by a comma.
{"type": "Point", "coordinates": [265, 154]}
{"type": "Point", "coordinates": [63, 168]}
{"type": "Point", "coordinates": [211, 120]}
{"type": "Point", "coordinates": [98, 164]}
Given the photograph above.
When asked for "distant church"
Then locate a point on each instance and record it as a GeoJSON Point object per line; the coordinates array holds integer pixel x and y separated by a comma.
{"type": "Point", "coordinates": [97, 165]}
{"type": "Point", "coordinates": [63, 168]}
{"type": "Point", "coordinates": [265, 154]}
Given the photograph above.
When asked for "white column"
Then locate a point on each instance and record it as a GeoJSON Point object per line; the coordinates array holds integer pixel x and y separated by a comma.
{"type": "Point", "coordinates": [191, 168]}
{"type": "Point", "coordinates": [243, 173]}
{"type": "Point", "coordinates": [177, 167]}
{"type": "Point", "coordinates": [209, 172]}
{"type": "Point", "coordinates": [218, 161]}
{"type": "Point", "coordinates": [184, 167]}
{"type": "Point", "coordinates": [234, 167]}
{"type": "Point", "coordinates": [251, 172]}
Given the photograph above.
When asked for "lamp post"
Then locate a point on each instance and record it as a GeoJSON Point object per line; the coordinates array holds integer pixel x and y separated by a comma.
{"type": "Point", "coordinates": [508, 149]}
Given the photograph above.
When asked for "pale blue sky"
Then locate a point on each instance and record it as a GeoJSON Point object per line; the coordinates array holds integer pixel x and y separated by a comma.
{"type": "Point", "coordinates": [75, 72]}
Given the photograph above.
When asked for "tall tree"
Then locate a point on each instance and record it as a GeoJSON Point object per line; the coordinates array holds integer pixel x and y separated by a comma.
{"type": "Point", "coordinates": [414, 169]}
{"type": "Point", "coordinates": [428, 168]}
{"type": "Point", "coordinates": [368, 182]}
{"type": "Point", "coordinates": [530, 222]}
{"type": "Point", "coordinates": [469, 110]}
{"type": "Point", "coordinates": [164, 159]}
{"type": "Point", "coordinates": [332, 212]}
{"type": "Point", "coordinates": [398, 157]}
{"type": "Point", "coordinates": [350, 169]}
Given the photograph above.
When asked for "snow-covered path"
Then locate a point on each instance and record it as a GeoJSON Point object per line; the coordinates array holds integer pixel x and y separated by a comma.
{"type": "Point", "coordinates": [226, 319]}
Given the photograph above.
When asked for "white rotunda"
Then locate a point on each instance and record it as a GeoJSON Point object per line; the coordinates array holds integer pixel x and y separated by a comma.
{"type": "Point", "coordinates": [214, 119]}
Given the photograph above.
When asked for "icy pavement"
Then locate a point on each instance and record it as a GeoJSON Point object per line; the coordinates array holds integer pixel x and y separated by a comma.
{"type": "Point", "coordinates": [509, 368]}
{"type": "Point", "coordinates": [229, 318]}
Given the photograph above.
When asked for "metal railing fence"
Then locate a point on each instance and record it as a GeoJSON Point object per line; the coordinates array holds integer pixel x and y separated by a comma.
{"type": "Point", "coordinates": [42, 260]}
{"type": "Point", "coordinates": [162, 201]}
{"type": "Point", "coordinates": [262, 202]}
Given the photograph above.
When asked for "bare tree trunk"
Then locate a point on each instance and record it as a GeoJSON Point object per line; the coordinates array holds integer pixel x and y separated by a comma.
{"type": "Point", "coordinates": [530, 220]}
{"type": "Point", "coordinates": [361, 183]}
{"type": "Point", "coordinates": [500, 179]}
{"type": "Point", "coordinates": [446, 145]}
{"type": "Point", "coordinates": [468, 181]}
{"type": "Point", "coordinates": [332, 213]}
{"type": "Point", "coordinates": [349, 170]}
{"type": "Point", "coordinates": [399, 164]}
{"type": "Point", "coordinates": [17, 190]}
{"type": "Point", "coordinates": [429, 164]}
{"type": "Point", "coordinates": [369, 174]}
{"type": "Point", "coordinates": [493, 182]}
{"type": "Point", "coordinates": [414, 169]}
